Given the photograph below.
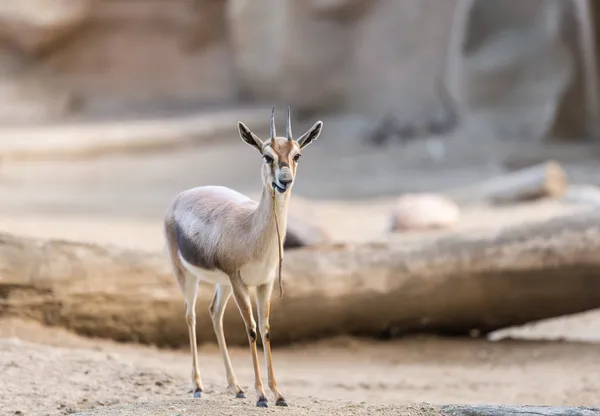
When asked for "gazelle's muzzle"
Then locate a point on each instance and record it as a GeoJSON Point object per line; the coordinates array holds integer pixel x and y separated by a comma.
{"type": "Point", "coordinates": [283, 180]}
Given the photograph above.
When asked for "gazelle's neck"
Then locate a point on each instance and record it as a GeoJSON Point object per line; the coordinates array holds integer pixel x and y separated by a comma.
{"type": "Point", "coordinates": [263, 221]}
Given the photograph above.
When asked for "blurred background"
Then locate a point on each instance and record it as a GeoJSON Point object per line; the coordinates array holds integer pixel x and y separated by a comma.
{"type": "Point", "coordinates": [415, 95]}
{"type": "Point", "coordinates": [441, 117]}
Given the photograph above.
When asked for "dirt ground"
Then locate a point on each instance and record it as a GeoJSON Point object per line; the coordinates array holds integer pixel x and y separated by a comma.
{"type": "Point", "coordinates": [51, 372]}
{"type": "Point", "coordinates": [120, 200]}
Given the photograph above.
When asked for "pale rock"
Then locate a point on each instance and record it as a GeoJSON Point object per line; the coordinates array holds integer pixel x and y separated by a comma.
{"type": "Point", "coordinates": [302, 233]}
{"type": "Point", "coordinates": [133, 57]}
{"type": "Point", "coordinates": [418, 212]}
{"type": "Point", "coordinates": [582, 195]}
{"type": "Point", "coordinates": [36, 24]}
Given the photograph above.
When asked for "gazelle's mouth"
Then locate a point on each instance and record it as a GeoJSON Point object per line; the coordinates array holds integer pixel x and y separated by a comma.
{"type": "Point", "coordinates": [278, 188]}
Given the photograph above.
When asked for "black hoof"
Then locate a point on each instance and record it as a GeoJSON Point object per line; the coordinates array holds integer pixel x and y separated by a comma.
{"type": "Point", "coordinates": [281, 402]}
{"type": "Point", "coordinates": [262, 402]}
{"type": "Point", "coordinates": [240, 395]}
{"type": "Point", "coordinates": [197, 393]}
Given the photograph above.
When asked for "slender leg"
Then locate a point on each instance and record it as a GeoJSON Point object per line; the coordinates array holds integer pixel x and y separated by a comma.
{"type": "Point", "coordinates": [217, 310]}
{"type": "Point", "coordinates": [191, 292]}
{"type": "Point", "coordinates": [242, 299]}
{"type": "Point", "coordinates": [263, 300]}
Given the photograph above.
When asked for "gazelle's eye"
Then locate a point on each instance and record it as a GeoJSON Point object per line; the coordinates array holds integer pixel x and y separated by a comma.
{"type": "Point", "coordinates": [297, 157]}
{"type": "Point", "coordinates": [268, 159]}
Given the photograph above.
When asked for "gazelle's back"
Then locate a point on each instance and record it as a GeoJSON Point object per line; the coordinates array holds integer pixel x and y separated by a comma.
{"type": "Point", "coordinates": [205, 227]}
{"type": "Point", "coordinates": [202, 198]}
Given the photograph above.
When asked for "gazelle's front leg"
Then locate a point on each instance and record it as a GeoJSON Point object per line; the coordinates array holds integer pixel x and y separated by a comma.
{"type": "Point", "coordinates": [263, 300]}
{"type": "Point", "coordinates": [244, 303]}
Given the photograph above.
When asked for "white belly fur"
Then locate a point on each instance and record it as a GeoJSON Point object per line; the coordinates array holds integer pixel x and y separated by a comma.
{"type": "Point", "coordinates": [253, 274]}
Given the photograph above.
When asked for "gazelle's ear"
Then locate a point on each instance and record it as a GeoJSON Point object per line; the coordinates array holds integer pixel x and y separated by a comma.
{"type": "Point", "coordinates": [249, 138]}
{"type": "Point", "coordinates": [311, 135]}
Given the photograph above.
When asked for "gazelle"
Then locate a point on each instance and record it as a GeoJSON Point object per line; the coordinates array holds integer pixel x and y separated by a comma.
{"type": "Point", "coordinates": [224, 238]}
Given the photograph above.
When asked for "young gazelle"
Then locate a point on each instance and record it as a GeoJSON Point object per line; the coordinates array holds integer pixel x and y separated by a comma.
{"type": "Point", "coordinates": [222, 237]}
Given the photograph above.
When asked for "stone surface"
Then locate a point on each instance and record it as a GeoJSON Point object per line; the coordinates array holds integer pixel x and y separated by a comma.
{"type": "Point", "coordinates": [325, 57]}
{"type": "Point", "coordinates": [519, 73]}
{"type": "Point", "coordinates": [132, 56]}
{"type": "Point", "coordinates": [419, 212]}
{"type": "Point", "coordinates": [34, 25]}
{"type": "Point", "coordinates": [303, 233]}
{"type": "Point", "coordinates": [257, 51]}
{"type": "Point", "coordinates": [399, 57]}
{"type": "Point", "coordinates": [518, 65]}
{"type": "Point", "coordinates": [30, 30]}
{"type": "Point", "coordinates": [582, 195]}
{"type": "Point", "coordinates": [500, 410]}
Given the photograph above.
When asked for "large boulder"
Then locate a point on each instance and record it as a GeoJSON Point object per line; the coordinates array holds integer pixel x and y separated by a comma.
{"type": "Point", "coordinates": [34, 25]}
{"type": "Point", "coordinates": [30, 29]}
{"type": "Point", "coordinates": [367, 56]}
{"type": "Point", "coordinates": [522, 61]}
{"type": "Point", "coordinates": [129, 55]}
{"type": "Point", "coordinates": [422, 212]}
{"type": "Point", "coordinates": [284, 50]}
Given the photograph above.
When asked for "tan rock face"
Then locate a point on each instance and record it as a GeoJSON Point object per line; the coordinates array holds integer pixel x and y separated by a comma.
{"type": "Point", "coordinates": [257, 33]}
{"type": "Point", "coordinates": [122, 54]}
{"type": "Point", "coordinates": [362, 55]}
{"type": "Point", "coordinates": [399, 57]}
{"type": "Point", "coordinates": [34, 25]}
{"type": "Point", "coordinates": [30, 29]}
{"type": "Point", "coordinates": [518, 66]}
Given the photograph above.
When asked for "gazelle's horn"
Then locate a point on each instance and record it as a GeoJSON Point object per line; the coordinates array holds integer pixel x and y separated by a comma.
{"type": "Point", "coordinates": [273, 132]}
{"type": "Point", "coordinates": [288, 125]}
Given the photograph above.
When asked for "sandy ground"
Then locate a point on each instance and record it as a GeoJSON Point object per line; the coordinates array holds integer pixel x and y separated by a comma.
{"type": "Point", "coordinates": [49, 371]}
{"type": "Point", "coordinates": [120, 200]}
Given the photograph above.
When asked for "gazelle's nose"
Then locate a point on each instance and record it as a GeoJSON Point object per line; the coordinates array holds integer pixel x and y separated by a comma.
{"type": "Point", "coordinates": [285, 180]}
{"type": "Point", "coordinates": [285, 176]}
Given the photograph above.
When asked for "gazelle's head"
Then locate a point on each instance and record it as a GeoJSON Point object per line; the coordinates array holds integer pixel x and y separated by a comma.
{"type": "Point", "coordinates": [280, 154]}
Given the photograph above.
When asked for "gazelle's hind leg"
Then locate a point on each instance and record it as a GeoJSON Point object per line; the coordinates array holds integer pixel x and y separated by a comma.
{"type": "Point", "coordinates": [189, 286]}
{"type": "Point", "coordinates": [190, 293]}
{"type": "Point", "coordinates": [217, 310]}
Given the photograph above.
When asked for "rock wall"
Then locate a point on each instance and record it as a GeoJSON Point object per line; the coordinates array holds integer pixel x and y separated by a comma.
{"type": "Point", "coordinates": [107, 56]}
{"type": "Point", "coordinates": [521, 61]}
{"type": "Point", "coordinates": [363, 56]}
{"type": "Point", "coordinates": [524, 62]}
